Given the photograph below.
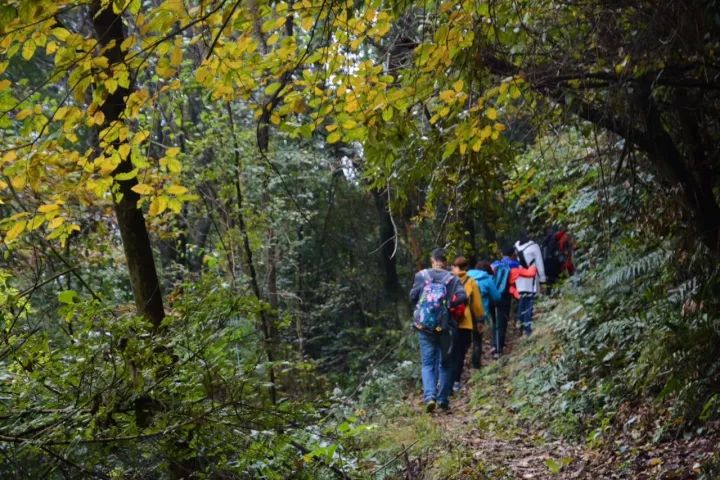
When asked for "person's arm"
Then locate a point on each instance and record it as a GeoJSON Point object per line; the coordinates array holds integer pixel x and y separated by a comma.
{"type": "Point", "coordinates": [418, 283]}
{"type": "Point", "coordinates": [458, 293]}
{"type": "Point", "coordinates": [476, 306]}
{"type": "Point", "coordinates": [494, 292]}
{"type": "Point", "coordinates": [539, 263]}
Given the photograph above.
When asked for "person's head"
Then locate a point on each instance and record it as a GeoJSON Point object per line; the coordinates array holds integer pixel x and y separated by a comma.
{"type": "Point", "coordinates": [438, 258]}
{"type": "Point", "coordinates": [508, 251]}
{"type": "Point", "coordinates": [524, 237]}
{"type": "Point", "coordinates": [484, 266]}
{"type": "Point", "coordinates": [459, 265]}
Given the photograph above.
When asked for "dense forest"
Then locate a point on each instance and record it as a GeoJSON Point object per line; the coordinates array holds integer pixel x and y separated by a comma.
{"type": "Point", "coordinates": [212, 212]}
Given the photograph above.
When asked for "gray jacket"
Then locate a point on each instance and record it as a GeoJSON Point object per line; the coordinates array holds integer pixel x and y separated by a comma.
{"type": "Point", "coordinates": [455, 289]}
{"type": "Point", "coordinates": [533, 256]}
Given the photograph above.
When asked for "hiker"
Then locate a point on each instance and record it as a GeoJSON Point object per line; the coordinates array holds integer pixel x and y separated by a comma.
{"type": "Point", "coordinates": [501, 274]}
{"type": "Point", "coordinates": [437, 296]}
{"type": "Point", "coordinates": [565, 252]}
{"type": "Point", "coordinates": [473, 318]}
{"type": "Point", "coordinates": [529, 255]}
{"type": "Point", "coordinates": [552, 258]}
{"type": "Point", "coordinates": [483, 275]}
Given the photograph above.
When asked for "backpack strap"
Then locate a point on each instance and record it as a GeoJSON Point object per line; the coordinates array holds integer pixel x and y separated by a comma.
{"type": "Point", "coordinates": [426, 276]}
{"type": "Point", "coordinates": [522, 252]}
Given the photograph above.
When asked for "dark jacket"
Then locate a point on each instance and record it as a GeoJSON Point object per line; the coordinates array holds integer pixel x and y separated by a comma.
{"type": "Point", "coordinates": [455, 289]}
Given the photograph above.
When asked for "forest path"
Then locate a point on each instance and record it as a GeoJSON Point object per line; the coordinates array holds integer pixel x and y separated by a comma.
{"type": "Point", "coordinates": [486, 436]}
{"type": "Point", "coordinates": [480, 422]}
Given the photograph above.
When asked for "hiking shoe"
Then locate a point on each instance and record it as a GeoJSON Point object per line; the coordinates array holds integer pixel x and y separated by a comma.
{"type": "Point", "coordinates": [430, 406]}
{"type": "Point", "coordinates": [444, 407]}
{"type": "Point", "coordinates": [456, 387]}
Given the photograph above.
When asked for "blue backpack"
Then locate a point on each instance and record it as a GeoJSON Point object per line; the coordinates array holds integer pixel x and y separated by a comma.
{"type": "Point", "coordinates": [502, 274]}
{"type": "Point", "coordinates": [432, 311]}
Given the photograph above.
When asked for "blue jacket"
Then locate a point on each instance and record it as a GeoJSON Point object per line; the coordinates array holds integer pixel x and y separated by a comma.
{"type": "Point", "coordinates": [488, 290]}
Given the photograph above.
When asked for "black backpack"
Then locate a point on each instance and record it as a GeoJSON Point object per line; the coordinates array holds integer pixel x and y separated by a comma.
{"type": "Point", "coordinates": [552, 256]}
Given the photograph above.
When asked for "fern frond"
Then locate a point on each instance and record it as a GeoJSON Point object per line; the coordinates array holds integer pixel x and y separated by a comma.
{"type": "Point", "coordinates": [637, 268]}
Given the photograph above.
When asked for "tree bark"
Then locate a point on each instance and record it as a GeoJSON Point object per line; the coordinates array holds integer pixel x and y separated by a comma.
{"type": "Point", "coordinates": [388, 240]}
{"type": "Point", "coordinates": [131, 222]}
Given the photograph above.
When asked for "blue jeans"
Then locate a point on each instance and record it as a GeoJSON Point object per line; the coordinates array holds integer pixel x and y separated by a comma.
{"type": "Point", "coordinates": [436, 365]}
{"type": "Point", "coordinates": [525, 312]}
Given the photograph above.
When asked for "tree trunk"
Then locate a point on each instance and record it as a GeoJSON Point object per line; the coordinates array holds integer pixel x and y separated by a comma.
{"type": "Point", "coordinates": [136, 241]}
{"type": "Point", "coordinates": [388, 240]}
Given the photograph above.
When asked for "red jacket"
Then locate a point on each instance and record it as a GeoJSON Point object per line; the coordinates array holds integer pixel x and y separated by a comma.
{"type": "Point", "coordinates": [515, 273]}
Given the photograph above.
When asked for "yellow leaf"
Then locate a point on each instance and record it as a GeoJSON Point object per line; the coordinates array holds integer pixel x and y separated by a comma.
{"type": "Point", "coordinates": [60, 114]}
{"type": "Point", "coordinates": [158, 205]}
{"type": "Point", "coordinates": [447, 96]}
{"type": "Point", "coordinates": [175, 205]}
{"type": "Point", "coordinates": [334, 137]}
{"type": "Point", "coordinates": [349, 124]}
{"type": "Point", "coordinates": [9, 156]}
{"type": "Point", "coordinates": [485, 132]}
{"type": "Point", "coordinates": [477, 145]}
{"type": "Point", "coordinates": [272, 40]}
{"type": "Point", "coordinates": [18, 182]}
{"type": "Point", "coordinates": [15, 231]}
{"type": "Point", "coordinates": [99, 117]}
{"type": "Point", "coordinates": [28, 49]}
{"type": "Point", "coordinates": [35, 223]}
{"type": "Point", "coordinates": [491, 113]}
{"type": "Point", "coordinates": [60, 33]}
{"type": "Point", "coordinates": [174, 165]}
{"type": "Point", "coordinates": [458, 86]}
{"type": "Point", "coordinates": [176, 189]}
{"type": "Point", "coordinates": [463, 148]}
{"type": "Point", "coordinates": [5, 84]}
{"type": "Point", "coordinates": [100, 62]}
{"type": "Point", "coordinates": [124, 150]}
{"type": "Point", "coordinates": [176, 57]}
{"type": "Point", "coordinates": [142, 189]}
{"type": "Point", "coordinates": [331, 128]}
{"type": "Point", "coordinates": [48, 208]}
{"type": "Point", "coordinates": [23, 114]}
{"type": "Point", "coordinates": [172, 152]}
{"type": "Point", "coordinates": [56, 222]}
{"type": "Point", "coordinates": [111, 85]}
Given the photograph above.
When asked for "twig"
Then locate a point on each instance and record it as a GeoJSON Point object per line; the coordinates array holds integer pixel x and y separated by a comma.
{"type": "Point", "coordinates": [392, 460]}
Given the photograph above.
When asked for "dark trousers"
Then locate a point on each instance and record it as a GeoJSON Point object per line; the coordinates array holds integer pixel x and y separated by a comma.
{"type": "Point", "coordinates": [462, 340]}
{"type": "Point", "coordinates": [477, 339]}
{"type": "Point", "coordinates": [502, 314]}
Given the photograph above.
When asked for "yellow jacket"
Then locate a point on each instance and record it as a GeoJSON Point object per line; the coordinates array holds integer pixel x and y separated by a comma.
{"type": "Point", "coordinates": [474, 307]}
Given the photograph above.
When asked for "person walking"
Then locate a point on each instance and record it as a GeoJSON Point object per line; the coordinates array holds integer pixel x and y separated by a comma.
{"type": "Point", "coordinates": [502, 271]}
{"type": "Point", "coordinates": [483, 275]}
{"type": "Point", "coordinates": [529, 255]}
{"type": "Point", "coordinates": [436, 295]}
{"type": "Point", "coordinates": [473, 318]}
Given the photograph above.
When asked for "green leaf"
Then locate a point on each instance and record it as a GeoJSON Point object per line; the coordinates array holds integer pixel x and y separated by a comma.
{"type": "Point", "coordinates": [67, 296]}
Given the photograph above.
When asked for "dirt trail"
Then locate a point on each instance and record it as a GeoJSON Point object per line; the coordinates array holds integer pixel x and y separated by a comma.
{"type": "Point", "coordinates": [500, 453]}
{"type": "Point", "coordinates": [481, 421]}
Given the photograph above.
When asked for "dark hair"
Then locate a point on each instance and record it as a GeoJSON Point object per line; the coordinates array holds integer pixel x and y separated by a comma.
{"type": "Point", "coordinates": [508, 250]}
{"type": "Point", "coordinates": [439, 255]}
{"type": "Point", "coordinates": [461, 262]}
{"type": "Point", "coordinates": [524, 237]}
{"type": "Point", "coordinates": [484, 266]}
